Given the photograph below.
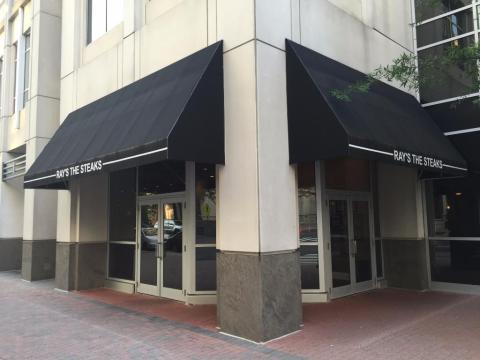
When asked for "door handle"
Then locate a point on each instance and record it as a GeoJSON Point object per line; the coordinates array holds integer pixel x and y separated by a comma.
{"type": "Point", "coordinates": [159, 249]}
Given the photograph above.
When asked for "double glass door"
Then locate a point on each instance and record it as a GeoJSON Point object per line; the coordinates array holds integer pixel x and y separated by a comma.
{"type": "Point", "coordinates": [351, 244]}
{"type": "Point", "coordinates": [160, 247]}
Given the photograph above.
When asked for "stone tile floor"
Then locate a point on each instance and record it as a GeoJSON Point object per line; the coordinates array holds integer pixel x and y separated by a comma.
{"type": "Point", "coordinates": [38, 322]}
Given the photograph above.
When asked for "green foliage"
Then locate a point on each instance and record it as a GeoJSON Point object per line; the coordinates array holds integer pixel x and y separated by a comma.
{"type": "Point", "coordinates": [434, 69]}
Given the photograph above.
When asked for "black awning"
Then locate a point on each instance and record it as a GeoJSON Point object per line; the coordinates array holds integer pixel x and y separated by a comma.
{"type": "Point", "coordinates": [175, 113]}
{"type": "Point", "coordinates": [383, 123]}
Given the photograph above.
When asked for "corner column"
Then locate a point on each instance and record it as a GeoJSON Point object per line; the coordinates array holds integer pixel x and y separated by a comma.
{"type": "Point", "coordinates": [258, 268]}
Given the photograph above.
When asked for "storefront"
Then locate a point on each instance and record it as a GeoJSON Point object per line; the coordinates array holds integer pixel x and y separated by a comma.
{"type": "Point", "coordinates": [157, 141]}
{"type": "Point", "coordinates": [347, 208]}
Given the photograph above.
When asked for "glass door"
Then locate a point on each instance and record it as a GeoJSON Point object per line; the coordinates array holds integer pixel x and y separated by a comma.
{"type": "Point", "coordinates": [171, 249]}
{"type": "Point", "coordinates": [160, 247]}
{"type": "Point", "coordinates": [147, 248]}
{"type": "Point", "coordinates": [350, 244]}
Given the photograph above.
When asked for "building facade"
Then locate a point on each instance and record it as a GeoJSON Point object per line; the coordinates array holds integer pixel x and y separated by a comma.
{"type": "Point", "coordinates": [202, 156]}
{"type": "Point", "coordinates": [30, 102]}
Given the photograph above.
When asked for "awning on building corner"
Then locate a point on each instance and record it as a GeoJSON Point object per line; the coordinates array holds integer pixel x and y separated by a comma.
{"type": "Point", "coordinates": [176, 113]}
{"type": "Point", "coordinates": [383, 123]}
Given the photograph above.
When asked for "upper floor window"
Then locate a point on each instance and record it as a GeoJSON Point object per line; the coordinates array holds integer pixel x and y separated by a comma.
{"type": "Point", "coordinates": [103, 15]}
{"type": "Point", "coordinates": [26, 78]}
{"type": "Point", "coordinates": [15, 70]}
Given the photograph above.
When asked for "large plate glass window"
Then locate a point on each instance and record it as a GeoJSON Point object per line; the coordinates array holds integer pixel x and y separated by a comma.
{"type": "Point", "coordinates": [205, 220]}
{"type": "Point", "coordinates": [161, 178]}
{"type": "Point", "coordinates": [308, 229]}
{"type": "Point", "coordinates": [122, 218]}
{"type": "Point", "coordinates": [453, 208]}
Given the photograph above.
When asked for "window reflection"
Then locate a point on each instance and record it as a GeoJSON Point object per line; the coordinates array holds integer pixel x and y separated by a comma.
{"type": "Point", "coordinates": [442, 83]}
{"type": "Point", "coordinates": [425, 9]}
{"type": "Point", "coordinates": [205, 202]}
{"type": "Point", "coordinates": [455, 261]}
{"type": "Point", "coordinates": [445, 28]}
{"type": "Point", "coordinates": [454, 207]}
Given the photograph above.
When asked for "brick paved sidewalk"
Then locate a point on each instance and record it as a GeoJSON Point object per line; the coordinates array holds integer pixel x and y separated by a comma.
{"type": "Point", "coordinates": [38, 322]}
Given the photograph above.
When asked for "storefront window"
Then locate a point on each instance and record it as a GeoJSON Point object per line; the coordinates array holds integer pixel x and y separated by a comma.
{"type": "Point", "coordinates": [455, 261]}
{"type": "Point", "coordinates": [205, 234]}
{"type": "Point", "coordinates": [454, 230]}
{"type": "Point", "coordinates": [308, 230]}
{"type": "Point", "coordinates": [122, 216]}
{"type": "Point", "coordinates": [161, 178]}
{"type": "Point", "coordinates": [454, 207]}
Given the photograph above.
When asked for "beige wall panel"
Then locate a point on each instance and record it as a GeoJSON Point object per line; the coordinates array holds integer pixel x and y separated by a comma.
{"type": "Point", "coordinates": [235, 22]}
{"type": "Point", "coordinates": [90, 86]}
{"type": "Point", "coordinates": [212, 21]}
{"type": "Point", "coordinates": [11, 207]}
{"type": "Point", "coordinates": [128, 60]}
{"type": "Point", "coordinates": [156, 8]}
{"type": "Point", "coordinates": [398, 194]}
{"type": "Point", "coordinates": [68, 38]}
{"type": "Point", "coordinates": [394, 19]}
{"type": "Point", "coordinates": [67, 90]}
{"type": "Point", "coordinates": [52, 7]}
{"type": "Point", "coordinates": [334, 33]}
{"type": "Point", "coordinates": [174, 35]}
{"type": "Point", "coordinates": [16, 137]}
{"type": "Point", "coordinates": [46, 72]}
{"type": "Point", "coordinates": [274, 21]}
{"type": "Point", "coordinates": [237, 210]}
{"type": "Point", "coordinates": [351, 7]}
{"type": "Point", "coordinates": [44, 115]}
{"type": "Point", "coordinates": [64, 216]}
{"type": "Point", "coordinates": [277, 186]}
{"type": "Point", "coordinates": [93, 208]}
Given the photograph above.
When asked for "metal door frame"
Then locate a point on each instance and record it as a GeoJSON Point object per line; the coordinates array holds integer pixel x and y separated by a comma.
{"type": "Point", "coordinates": [353, 287]}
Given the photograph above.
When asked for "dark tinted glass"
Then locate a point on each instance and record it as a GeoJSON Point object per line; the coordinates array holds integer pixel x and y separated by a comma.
{"type": "Point", "coordinates": [309, 267]}
{"type": "Point", "coordinates": [454, 207]}
{"type": "Point", "coordinates": [347, 174]}
{"type": "Point", "coordinates": [206, 269]}
{"type": "Point", "coordinates": [361, 237]}
{"type": "Point", "coordinates": [455, 261]}
{"type": "Point", "coordinates": [307, 203]}
{"type": "Point", "coordinates": [444, 83]}
{"type": "Point", "coordinates": [161, 178]}
{"type": "Point", "coordinates": [121, 261]}
{"type": "Point", "coordinates": [122, 205]}
{"type": "Point", "coordinates": [425, 9]}
{"type": "Point", "coordinates": [340, 247]}
{"type": "Point", "coordinates": [445, 28]}
{"type": "Point", "coordinates": [205, 202]}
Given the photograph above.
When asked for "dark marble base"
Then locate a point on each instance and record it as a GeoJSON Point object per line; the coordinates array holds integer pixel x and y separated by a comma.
{"type": "Point", "coordinates": [10, 254]}
{"type": "Point", "coordinates": [405, 263]}
{"type": "Point", "coordinates": [38, 259]}
{"type": "Point", "coordinates": [80, 266]}
{"type": "Point", "coordinates": [259, 295]}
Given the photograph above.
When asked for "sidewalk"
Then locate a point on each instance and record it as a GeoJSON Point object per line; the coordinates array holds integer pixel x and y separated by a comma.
{"type": "Point", "coordinates": [41, 323]}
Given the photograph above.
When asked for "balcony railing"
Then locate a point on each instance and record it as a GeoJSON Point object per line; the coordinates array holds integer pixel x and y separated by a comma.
{"type": "Point", "coordinates": [14, 168]}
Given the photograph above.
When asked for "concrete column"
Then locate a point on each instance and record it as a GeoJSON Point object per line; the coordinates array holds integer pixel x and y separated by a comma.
{"type": "Point", "coordinates": [81, 246]}
{"type": "Point", "coordinates": [42, 108]}
{"type": "Point", "coordinates": [258, 270]}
